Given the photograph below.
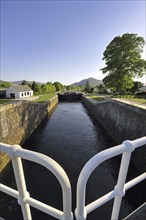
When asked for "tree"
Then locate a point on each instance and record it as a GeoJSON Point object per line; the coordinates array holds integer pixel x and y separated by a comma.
{"type": "Point", "coordinates": [45, 88]}
{"type": "Point", "coordinates": [38, 89]}
{"type": "Point", "coordinates": [87, 87]}
{"type": "Point", "coordinates": [102, 89]}
{"type": "Point", "coordinates": [5, 84]}
{"type": "Point", "coordinates": [58, 86]}
{"type": "Point", "coordinates": [33, 85]}
{"type": "Point", "coordinates": [48, 88]}
{"type": "Point", "coordinates": [136, 86]}
{"type": "Point", "coordinates": [123, 61]}
{"type": "Point", "coordinates": [24, 82]}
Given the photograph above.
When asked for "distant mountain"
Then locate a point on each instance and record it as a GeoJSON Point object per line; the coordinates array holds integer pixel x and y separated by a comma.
{"type": "Point", "coordinates": [16, 82]}
{"type": "Point", "coordinates": [92, 82]}
{"type": "Point", "coordinates": [20, 82]}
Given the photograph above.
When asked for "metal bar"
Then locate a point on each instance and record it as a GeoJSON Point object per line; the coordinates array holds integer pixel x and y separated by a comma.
{"type": "Point", "coordinates": [50, 164]}
{"type": "Point", "coordinates": [33, 202]}
{"type": "Point", "coordinates": [12, 192]}
{"type": "Point", "coordinates": [45, 208]}
{"type": "Point", "coordinates": [99, 202]}
{"type": "Point", "coordinates": [81, 212]}
{"type": "Point", "coordinates": [20, 181]}
{"type": "Point", "coordinates": [139, 142]}
{"type": "Point", "coordinates": [89, 208]}
{"type": "Point", "coordinates": [119, 188]}
{"type": "Point", "coordinates": [107, 197]}
{"type": "Point", "coordinates": [135, 181]}
{"type": "Point", "coordinates": [58, 171]}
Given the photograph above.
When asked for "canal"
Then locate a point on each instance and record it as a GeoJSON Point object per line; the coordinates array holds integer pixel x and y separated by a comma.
{"type": "Point", "coordinates": [71, 137]}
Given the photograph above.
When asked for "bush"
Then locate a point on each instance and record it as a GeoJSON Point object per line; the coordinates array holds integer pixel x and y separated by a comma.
{"type": "Point", "coordinates": [97, 98]}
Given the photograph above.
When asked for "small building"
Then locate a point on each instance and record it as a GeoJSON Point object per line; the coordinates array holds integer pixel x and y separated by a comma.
{"type": "Point", "coordinates": [19, 91]}
{"type": "Point", "coordinates": [2, 93]}
{"type": "Point", "coordinates": [143, 87]}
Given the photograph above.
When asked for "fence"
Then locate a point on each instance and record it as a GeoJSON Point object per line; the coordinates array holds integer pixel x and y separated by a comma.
{"type": "Point", "coordinates": [16, 153]}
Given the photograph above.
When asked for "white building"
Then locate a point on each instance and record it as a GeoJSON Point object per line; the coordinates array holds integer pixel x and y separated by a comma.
{"type": "Point", "coordinates": [143, 87]}
{"type": "Point", "coordinates": [19, 91]}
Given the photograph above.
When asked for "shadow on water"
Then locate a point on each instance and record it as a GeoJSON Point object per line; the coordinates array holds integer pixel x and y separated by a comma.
{"type": "Point", "coordinates": [70, 137]}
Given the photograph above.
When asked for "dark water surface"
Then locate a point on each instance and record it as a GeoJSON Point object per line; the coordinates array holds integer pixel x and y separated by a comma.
{"type": "Point", "coordinates": [71, 138]}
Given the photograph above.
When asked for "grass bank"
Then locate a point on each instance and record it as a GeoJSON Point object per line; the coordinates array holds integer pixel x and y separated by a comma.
{"type": "Point", "coordinates": [4, 101]}
{"type": "Point", "coordinates": [45, 97]}
{"type": "Point", "coordinates": [97, 98]}
{"type": "Point", "coordinates": [132, 98]}
{"type": "Point", "coordinates": [126, 97]}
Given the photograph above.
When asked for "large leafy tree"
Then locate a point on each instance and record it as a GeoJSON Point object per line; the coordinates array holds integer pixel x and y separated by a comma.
{"type": "Point", "coordinates": [48, 88]}
{"type": "Point", "coordinates": [37, 88]}
{"type": "Point", "coordinates": [123, 61]}
{"type": "Point", "coordinates": [58, 86]}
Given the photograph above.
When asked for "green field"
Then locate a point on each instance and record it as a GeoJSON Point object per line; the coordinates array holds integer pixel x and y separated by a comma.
{"type": "Point", "coordinates": [132, 98]}
{"type": "Point", "coordinates": [97, 98]}
{"type": "Point", "coordinates": [45, 97]}
{"type": "Point", "coordinates": [142, 101]}
{"type": "Point", "coordinates": [4, 101]}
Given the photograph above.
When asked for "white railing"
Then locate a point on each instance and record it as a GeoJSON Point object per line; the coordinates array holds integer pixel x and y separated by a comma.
{"type": "Point", "coordinates": [126, 149]}
{"type": "Point", "coordinates": [16, 153]}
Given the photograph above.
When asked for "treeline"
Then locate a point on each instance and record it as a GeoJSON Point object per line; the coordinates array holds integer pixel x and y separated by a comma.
{"type": "Point", "coordinates": [4, 84]}
{"type": "Point", "coordinates": [40, 88]}
{"type": "Point", "coordinates": [44, 88]}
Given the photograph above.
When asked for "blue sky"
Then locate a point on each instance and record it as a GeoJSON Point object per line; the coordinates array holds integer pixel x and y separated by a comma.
{"type": "Point", "coordinates": [63, 40]}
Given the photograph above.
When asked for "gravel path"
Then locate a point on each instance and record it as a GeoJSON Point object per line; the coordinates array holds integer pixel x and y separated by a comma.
{"type": "Point", "coordinates": [130, 102]}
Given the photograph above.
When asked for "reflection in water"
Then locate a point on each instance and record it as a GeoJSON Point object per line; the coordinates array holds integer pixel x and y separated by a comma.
{"type": "Point", "coordinates": [71, 138]}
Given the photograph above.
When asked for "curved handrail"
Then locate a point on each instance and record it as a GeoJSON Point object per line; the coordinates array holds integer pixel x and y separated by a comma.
{"type": "Point", "coordinates": [15, 151]}
{"type": "Point", "coordinates": [82, 210]}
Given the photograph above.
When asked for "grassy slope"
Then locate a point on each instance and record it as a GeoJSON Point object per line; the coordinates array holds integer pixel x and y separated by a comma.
{"type": "Point", "coordinates": [132, 98]}
{"type": "Point", "coordinates": [4, 101]}
{"type": "Point", "coordinates": [45, 97]}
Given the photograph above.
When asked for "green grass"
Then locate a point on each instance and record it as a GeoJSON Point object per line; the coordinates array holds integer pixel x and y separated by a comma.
{"type": "Point", "coordinates": [45, 97]}
{"type": "Point", "coordinates": [4, 101]}
{"type": "Point", "coordinates": [97, 98]}
{"type": "Point", "coordinates": [132, 98]}
{"type": "Point", "coordinates": [142, 101]}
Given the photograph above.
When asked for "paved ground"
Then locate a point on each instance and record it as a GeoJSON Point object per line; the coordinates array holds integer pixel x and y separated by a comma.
{"type": "Point", "coordinates": [137, 104]}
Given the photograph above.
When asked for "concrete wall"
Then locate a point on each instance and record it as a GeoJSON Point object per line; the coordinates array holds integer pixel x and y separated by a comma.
{"type": "Point", "coordinates": [122, 122]}
{"type": "Point", "coordinates": [18, 120]}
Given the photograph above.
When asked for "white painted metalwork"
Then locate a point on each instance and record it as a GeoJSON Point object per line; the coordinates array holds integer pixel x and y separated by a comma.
{"type": "Point", "coordinates": [16, 153]}
{"type": "Point", "coordinates": [126, 149]}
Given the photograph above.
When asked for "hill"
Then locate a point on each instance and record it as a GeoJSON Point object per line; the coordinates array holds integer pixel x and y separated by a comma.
{"type": "Point", "coordinates": [92, 82]}
{"type": "Point", "coordinates": [19, 82]}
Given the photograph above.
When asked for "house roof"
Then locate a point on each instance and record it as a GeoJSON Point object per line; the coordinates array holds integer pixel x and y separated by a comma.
{"type": "Point", "coordinates": [22, 88]}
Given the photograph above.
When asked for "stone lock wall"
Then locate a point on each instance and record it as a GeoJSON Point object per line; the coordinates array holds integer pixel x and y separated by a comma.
{"type": "Point", "coordinates": [122, 122]}
{"type": "Point", "coordinates": [18, 120]}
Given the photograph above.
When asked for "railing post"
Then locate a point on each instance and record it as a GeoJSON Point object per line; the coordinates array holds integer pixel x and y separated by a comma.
{"type": "Point", "coordinates": [119, 188]}
{"type": "Point", "coordinates": [67, 205]}
{"type": "Point", "coordinates": [21, 185]}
